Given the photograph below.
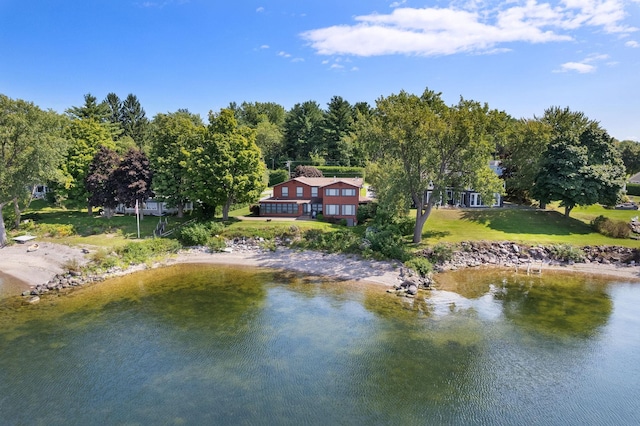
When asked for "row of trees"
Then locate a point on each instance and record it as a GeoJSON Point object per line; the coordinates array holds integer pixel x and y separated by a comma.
{"type": "Point", "coordinates": [411, 144]}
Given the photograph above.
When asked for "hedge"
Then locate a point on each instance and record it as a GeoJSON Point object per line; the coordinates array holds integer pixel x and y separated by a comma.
{"type": "Point", "coordinates": [341, 171]}
{"type": "Point", "coordinates": [633, 189]}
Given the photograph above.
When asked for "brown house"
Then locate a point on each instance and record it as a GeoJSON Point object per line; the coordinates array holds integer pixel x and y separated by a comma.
{"type": "Point", "coordinates": [333, 197]}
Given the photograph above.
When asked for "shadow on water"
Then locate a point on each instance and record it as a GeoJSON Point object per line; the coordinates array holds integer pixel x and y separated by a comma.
{"type": "Point", "coordinates": [517, 221]}
{"type": "Point", "coordinates": [552, 304]}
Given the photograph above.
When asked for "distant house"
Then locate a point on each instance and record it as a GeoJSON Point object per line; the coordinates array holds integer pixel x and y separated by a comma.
{"type": "Point", "coordinates": [469, 197]}
{"type": "Point", "coordinates": [635, 178]}
{"type": "Point", "coordinates": [337, 198]}
{"type": "Point", "coordinates": [153, 207]}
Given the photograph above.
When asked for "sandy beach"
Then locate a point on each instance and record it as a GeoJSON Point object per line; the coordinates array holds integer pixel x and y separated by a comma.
{"type": "Point", "coordinates": [20, 269]}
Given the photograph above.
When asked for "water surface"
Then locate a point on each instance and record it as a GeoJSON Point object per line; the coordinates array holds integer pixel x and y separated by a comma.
{"type": "Point", "coordinates": [205, 344]}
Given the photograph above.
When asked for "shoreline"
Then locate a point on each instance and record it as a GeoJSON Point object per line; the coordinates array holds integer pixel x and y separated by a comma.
{"type": "Point", "coordinates": [21, 270]}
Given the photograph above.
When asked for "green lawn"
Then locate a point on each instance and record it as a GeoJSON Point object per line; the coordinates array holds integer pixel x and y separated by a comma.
{"type": "Point", "coordinates": [521, 225]}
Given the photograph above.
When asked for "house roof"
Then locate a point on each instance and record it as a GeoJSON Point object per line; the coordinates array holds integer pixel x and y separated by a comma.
{"type": "Point", "coordinates": [635, 178]}
{"type": "Point", "coordinates": [325, 181]}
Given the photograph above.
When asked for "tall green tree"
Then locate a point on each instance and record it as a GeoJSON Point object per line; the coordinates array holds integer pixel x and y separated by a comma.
{"type": "Point", "coordinates": [579, 169]}
{"type": "Point", "coordinates": [251, 114]}
{"type": "Point", "coordinates": [228, 167]}
{"type": "Point", "coordinates": [630, 153]}
{"type": "Point", "coordinates": [85, 137]}
{"type": "Point", "coordinates": [91, 110]}
{"type": "Point", "coordinates": [174, 137]}
{"type": "Point", "coordinates": [134, 121]}
{"type": "Point", "coordinates": [302, 131]}
{"type": "Point", "coordinates": [336, 127]}
{"type": "Point", "coordinates": [434, 146]}
{"type": "Point", "coordinates": [522, 154]}
{"type": "Point", "coordinates": [269, 140]}
{"type": "Point", "coordinates": [32, 146]}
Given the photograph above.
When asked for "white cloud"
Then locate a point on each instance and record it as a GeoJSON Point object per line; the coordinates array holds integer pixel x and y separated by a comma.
{"type": "Point", "coordinates": [260, 9]}
{"type": "Point", "coordinates": [264, 46]}
{"type": "Point", "coordinates": [477, 27]}
{"type": "Point", "coordinates": [632, 43]}
{"type": "Point", "coordinates": [397, 3]}
{"type": "Point", "coordinates": [586, 65]}
{"type": "Point", "coordinates": [580, 67]}
{"type": "Point", "coordinates": [284, 54]}
{"type": "Point", "coordinates": [297, 60]}
{"type": "Point", "coordinates": [336, 67]}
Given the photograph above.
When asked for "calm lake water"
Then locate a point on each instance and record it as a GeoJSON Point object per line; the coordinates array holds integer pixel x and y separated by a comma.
{"type": "Point", "coordinates": [203, 344]}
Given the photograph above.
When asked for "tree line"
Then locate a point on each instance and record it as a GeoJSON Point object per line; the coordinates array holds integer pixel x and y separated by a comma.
{"type": "Point", "coordinates": [106, 153]}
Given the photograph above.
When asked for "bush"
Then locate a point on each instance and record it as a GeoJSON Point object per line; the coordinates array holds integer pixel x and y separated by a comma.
{"type": "Point", "coordinates": [421, 265]}
{"type": "Point", "coordinates": [633, 189]}
{"type": "Point", "coordinates": [566, 253]}
{"type": "Point", "coordinates": [278, 176]}
{"type": "Point", "coordinates": [216, 244]}
{"type": "Point", "coordinates": [387, 242]}
{"type": "Point", "coordinates": [342, 240]}
{"type": "Point", "coordinates": [442, 253]}
{"type": "Point", "coordinates": [306, 171]}
{"type": "Point", "coordinates": [611, 228]}
{"type": "Point", "coordinates": [366, 212]}
{"type": "Point", "coordinates": [140, 252]}
{"type": "Point", "coordinates": [342, 171]}
{"type": "Point", "coordinates": [196, 234]}
{"type": "Point", "coordinates": [55, 230]}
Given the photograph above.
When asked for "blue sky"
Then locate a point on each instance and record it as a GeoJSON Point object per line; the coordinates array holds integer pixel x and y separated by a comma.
{"type": "Point", "coordinates": [520, 56]}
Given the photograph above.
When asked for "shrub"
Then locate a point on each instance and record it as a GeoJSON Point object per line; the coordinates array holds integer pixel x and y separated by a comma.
{"type": "Point", "coordinates": [140, 252]}
{"type": "Point", "coordinates": [442, 253]}
{"type": "Point", "coordinates": [196, 234]}
{"type": "Point", "coordinates": [387, 242]}
{"type": "Point", "coordinates": [216, 228]}
{"type": "Point", "coordinates": [611, 228]}
{"type": "Point", "coordinates": [366, 212]}
{"type": "Point", "coordinates": [307, 171]}
{"type": "Point", "coordinates": [633, 189]}
{"type": "Point", "coordinates": [420, 264]}
{"type": "Point", "coordinates": [216, 244]}
{"type": "Point", "coordinates": [55, 230]}
{"type": "Point", "coordinates": [566, 253]}
{"type": "Point", "coordinates": [342, 240]}
{"type": "Point", "coordinates": [278, 176]}
{"type": "Point", "coordinates": [255, 209]}
{"type": "Point", "coordinates": [342, 171]}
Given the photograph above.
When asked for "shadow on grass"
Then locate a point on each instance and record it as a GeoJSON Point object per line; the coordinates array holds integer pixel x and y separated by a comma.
{"type": "Point", "coordinates": [435, 234]}
{"type": "Point", "coordinates": [517, 221]}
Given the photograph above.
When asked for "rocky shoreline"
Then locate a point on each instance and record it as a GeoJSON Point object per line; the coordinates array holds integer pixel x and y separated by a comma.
{"type": "Point", "coordinates": [508, 254]}
{"type": "Point", "coordinates": [612, 260]}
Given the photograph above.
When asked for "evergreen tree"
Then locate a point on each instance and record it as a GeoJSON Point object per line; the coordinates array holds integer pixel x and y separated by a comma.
{"type": "Point", "coordinates": [302, 131]}
{"type": "Point", "coordinates": [337, 126]}
{"type": "Point", "coordinates": [134, 121]}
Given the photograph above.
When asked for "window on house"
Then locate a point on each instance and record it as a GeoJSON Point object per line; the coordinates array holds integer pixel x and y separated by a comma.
{"type": "Point", "coordinates": [332, 192]}
{"type": "Point", "coordinates": [348, 192]}
{"type": "Point", "coordinates": [348, 210]}
{"type": "Point", "coordinates": [314, 191]}
{"type": "Point", "coordinates": [332, 209]}
{"type": "Point", "coordinates": [285, 191]}
{"type": "Point", "coordinates": [299, 191]}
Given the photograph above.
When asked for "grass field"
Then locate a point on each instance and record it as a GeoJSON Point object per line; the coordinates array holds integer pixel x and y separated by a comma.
{"type": "Point", "coordinates": [523, 225]}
